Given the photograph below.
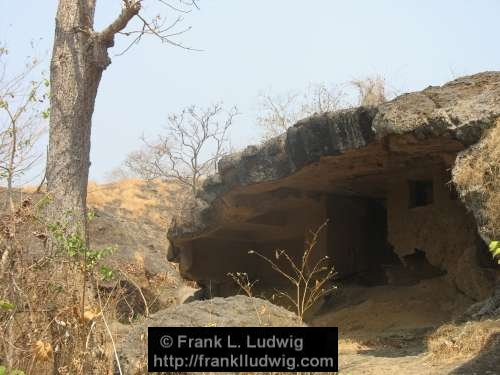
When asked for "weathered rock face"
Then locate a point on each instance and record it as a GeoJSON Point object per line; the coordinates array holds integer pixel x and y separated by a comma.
{"type": "Point", "coordinates": [237, 311]}
{"type": "Point", "coordinates": [380, 175]}
{"type": "Point", "coordinates": [476, 174]}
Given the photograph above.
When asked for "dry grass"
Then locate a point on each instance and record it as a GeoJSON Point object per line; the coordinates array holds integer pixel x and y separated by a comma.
{"type": "Point", "coordinates": [452, 341]}
{"type": "Point", "coordinates": [154, 200]}
{"type": "Point", "coordinates": [309, 281]}
{"type": "Point", "coordinates": [44, 325]}
{"type": "Point", "coordinates": [48, 323]}
{"type": "Point", "coordinates": [477, 177]}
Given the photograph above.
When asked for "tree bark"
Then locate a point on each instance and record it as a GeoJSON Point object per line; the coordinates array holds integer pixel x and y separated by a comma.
{"type": "Point", "coordinates": [78, 59]}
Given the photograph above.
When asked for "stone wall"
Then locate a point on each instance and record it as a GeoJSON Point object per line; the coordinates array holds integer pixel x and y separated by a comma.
{"type": "Point", "coordinates": [444, 230]}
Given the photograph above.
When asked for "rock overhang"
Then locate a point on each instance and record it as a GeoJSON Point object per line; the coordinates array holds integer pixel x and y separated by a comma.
{"type": "Point", "coordinates": [420, 128]}
{"type": "Point", "coordinates": [459, 110]}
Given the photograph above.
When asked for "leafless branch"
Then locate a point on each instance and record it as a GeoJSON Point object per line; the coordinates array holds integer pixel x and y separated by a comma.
{"type": "Point", "coordinates": [193, 143]}
{"type": "Point", "coordinates": [185, 11]}
{"type": "Point", "coordinates": [279, 112]}
{"type": "Point", "coordinates": [21, 106]}
{"type": "Point", "coordinates": [129, 10]}
{"type": "Point", "coordinates": [157, 26]}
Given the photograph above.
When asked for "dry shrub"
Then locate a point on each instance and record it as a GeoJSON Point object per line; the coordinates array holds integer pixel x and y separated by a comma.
{"type": "Point", "coordinates": [310, 280]}
{"type": "Point", "coordinates": [371, 90]}
{"type": "Point", "coordinates": [452, 341]}
{"type": "Point", "coordinates": [477, 177]}
{"type": "Point", "coordinates": [47, 323]}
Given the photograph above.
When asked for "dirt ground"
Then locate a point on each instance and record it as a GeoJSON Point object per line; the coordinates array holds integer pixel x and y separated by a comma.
{"type": "Point", "coordinates": [410, 357]}
{"type": "Point", "coordinates": [384, 329]}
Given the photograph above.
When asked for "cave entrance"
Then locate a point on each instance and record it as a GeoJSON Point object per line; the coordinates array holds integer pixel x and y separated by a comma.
{"type": "Point", "coordinates": [387, 228]}
{"type": "Point", "coordinates": [357, 239]}
{"type": "Point", "coordinates": [397, 226]}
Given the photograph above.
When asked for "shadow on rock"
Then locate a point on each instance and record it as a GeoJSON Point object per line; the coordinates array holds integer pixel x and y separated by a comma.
{"type": "Point", "coordinates": [487, 361]}
{"type": "Point", "coordinates": [394, 347]}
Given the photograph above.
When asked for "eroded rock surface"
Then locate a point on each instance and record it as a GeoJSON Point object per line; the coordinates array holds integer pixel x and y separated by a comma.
{"type": "Point", "coordinates": [380, 175]}
{"type": "Point", "coordinates": [237, 311]}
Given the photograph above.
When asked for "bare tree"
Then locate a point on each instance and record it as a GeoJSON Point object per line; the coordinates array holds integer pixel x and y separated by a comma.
{"type": "Point", "coordinates": [371, 90]}
{"type": "Point", "coordinates": [118, 174]}
{"type": "Point", "coordinates": [321, 97]}
{"type": "Point", "coordinates": [79, 57]}
{"type": "Point", "coordinates": [279, 112]}
{"type": "Point", "coordinates": [22, 101]}
{"type": "Point", "coordinates": [194, 141]}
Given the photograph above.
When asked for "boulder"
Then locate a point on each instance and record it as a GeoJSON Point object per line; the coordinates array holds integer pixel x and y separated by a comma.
{"type": "Point", "coordinates": [237, 311]}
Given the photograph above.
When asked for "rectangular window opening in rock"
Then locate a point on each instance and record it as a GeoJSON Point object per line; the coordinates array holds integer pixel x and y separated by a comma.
{"type": "Point", "coordinates": [421, 193]}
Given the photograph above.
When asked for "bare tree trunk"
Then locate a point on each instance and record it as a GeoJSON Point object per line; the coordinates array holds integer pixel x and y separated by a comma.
{"type": "Point", "coordinates": [78, 60]}
{"type": "Point", "coordinates": [10, 171]}
{"type": "Point", "coordinates": [79, 57]}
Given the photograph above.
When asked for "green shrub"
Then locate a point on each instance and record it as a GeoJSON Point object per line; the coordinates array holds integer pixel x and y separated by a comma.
{"type": "Point", "coordinates": [5, 371]}
{"type": "Point", "coordinates": [495, 250]}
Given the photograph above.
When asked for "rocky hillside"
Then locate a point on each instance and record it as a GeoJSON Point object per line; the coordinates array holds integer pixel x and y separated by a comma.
{"type": "Point", "coordinates": [133, 216]}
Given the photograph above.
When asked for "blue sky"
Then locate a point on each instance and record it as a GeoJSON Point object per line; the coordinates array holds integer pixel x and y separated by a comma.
{"type": "Point", "coordinates": [255, 45]}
